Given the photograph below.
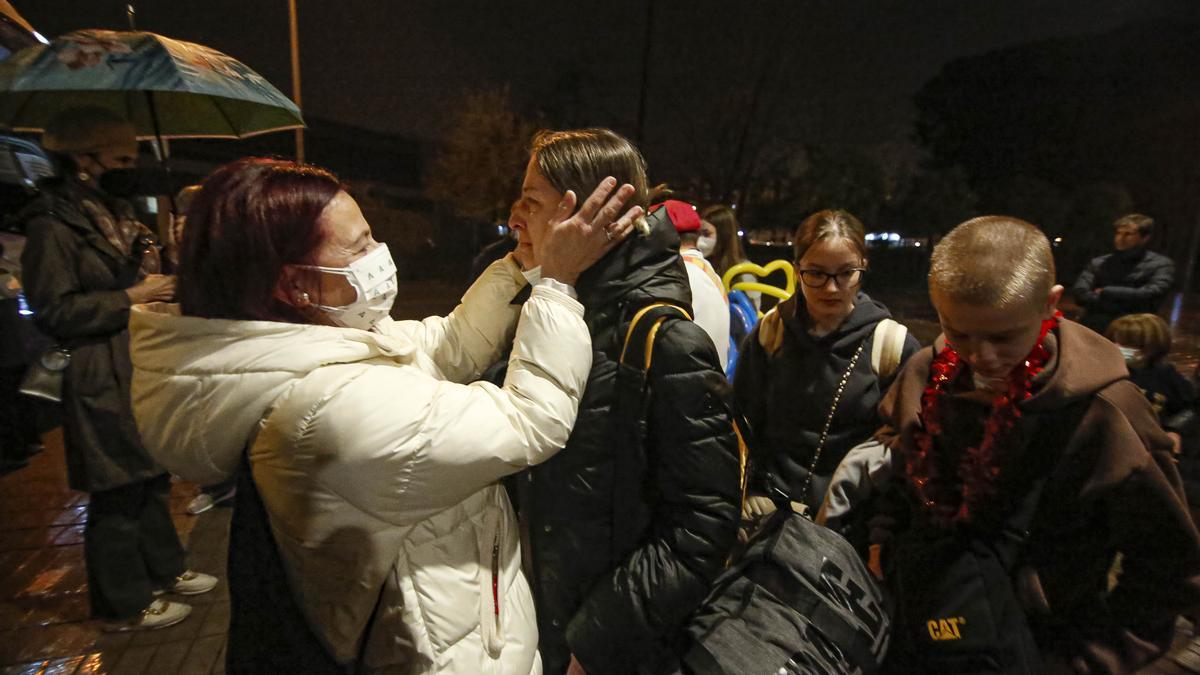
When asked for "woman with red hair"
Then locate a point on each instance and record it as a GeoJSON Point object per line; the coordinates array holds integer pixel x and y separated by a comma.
{"type": "Point", "coordinates": [369, 469]}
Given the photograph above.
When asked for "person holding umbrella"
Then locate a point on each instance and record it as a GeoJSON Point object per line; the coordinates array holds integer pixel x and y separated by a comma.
{"type": "Point", "coordinates": [86, 262]}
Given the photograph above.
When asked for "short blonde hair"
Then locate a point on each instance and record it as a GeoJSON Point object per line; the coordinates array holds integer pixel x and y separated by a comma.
{"type": "Point", "coordinates": [995, 261]}
{"type": "Point", "coordinates": [1147, 332]}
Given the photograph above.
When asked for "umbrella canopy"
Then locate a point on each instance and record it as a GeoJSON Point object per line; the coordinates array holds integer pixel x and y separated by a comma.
{"type": "Point", "coordinates": [9, 12]}
{"type": "Point", "coordinates": [15, 32]}
{"type": "Point", "coordinates": [166, 87]}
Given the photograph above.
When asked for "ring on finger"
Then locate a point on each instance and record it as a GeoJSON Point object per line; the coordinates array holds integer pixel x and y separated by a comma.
{"type": "Point", "coordinates": [608, 234]}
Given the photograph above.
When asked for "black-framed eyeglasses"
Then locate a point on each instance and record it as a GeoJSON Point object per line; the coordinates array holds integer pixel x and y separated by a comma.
{"type": "Point", "coordinates": [844, 279]}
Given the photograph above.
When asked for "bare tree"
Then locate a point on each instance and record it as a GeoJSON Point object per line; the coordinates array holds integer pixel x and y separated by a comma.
{"type": "Point", "coordinates": [478, 171]}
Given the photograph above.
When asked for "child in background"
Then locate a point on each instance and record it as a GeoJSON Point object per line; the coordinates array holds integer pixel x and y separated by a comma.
{"type": "Point", "coordinates": [1144, 341]}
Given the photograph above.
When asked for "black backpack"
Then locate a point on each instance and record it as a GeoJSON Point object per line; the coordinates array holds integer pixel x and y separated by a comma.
{"type": "Point", "coordinates": [797, 600]}
{"type": "Point", "coordinates": [957, 611]}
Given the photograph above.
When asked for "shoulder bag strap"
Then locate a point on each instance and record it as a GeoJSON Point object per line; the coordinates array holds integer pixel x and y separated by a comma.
{"type": "Point", "coordinates": [801, 499]}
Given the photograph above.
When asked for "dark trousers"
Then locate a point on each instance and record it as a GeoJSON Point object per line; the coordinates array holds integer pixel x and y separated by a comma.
{"type": "Point", "coordinates": [131, 547]}
{"type": "Point", "coordinates": [18, 418]}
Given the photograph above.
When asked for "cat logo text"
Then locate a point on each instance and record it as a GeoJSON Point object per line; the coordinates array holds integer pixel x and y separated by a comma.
{"type": "Point", "coordinates": [946, 629]}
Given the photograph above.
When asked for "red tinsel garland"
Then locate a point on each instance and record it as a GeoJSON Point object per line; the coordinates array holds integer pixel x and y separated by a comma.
{"type": "Point", "coordinates": [979, 466]}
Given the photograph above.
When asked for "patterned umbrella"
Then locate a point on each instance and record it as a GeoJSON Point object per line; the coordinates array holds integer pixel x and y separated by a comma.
{"type": "Point", "coordinates": [167, 88]}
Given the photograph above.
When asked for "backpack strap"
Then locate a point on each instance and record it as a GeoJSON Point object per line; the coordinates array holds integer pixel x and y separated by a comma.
{"type": "Point", "coordinates": [628, 415]}
{"type": "Point", "coordinates": [771, 328]}
{"type": "Point", "coordinates": [888, 347]}
{"type": "Point", "coordinates": [271, 630]}
{"type": "Point", "coordinates": [627, 420]}
{"type": "Point", "coordinates": [644, 327]}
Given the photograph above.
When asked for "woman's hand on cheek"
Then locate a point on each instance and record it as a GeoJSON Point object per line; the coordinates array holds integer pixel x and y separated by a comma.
{"type": "Point", "coordinates": [575, 240]}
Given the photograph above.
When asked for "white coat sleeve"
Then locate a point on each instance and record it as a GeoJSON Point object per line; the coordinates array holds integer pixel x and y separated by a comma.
{"type": "Point", "coordinates": [402, 445]}
{"type": "Point", "coordinates": [476, 334]}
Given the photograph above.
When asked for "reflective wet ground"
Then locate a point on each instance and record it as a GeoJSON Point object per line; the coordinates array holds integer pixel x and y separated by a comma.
{"type": "Point", "coordinates": [44, 614]}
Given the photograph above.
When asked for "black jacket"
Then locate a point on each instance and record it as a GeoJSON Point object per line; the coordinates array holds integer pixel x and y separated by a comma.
{"type": "Point", "coordinates": [75, 283]}
{"type": "Point", "coordinates": [618, 610]}
{"type": "Point", "coordinates": [1171, 395]}
{"type": "Point", "coordinates": [786, 397]}
{"type": "Point", "coordinates": [1132, 282]}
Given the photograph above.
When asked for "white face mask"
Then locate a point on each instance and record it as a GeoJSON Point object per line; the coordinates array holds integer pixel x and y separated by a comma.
{"type": "Point", "coordinates": [373, 277]}
{"type": "Point", "coordinates": [1133, 356]}
{"type": "Point", "coordinates": [706, 245]}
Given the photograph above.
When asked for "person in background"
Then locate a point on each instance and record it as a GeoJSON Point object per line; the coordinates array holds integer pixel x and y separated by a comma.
{"type": "Point", "coordinates": [183, 201]}
{"type": "Point", "coordinates": [787, 387]}
{"type": "Point", "coordinates": [625, 540]}
{"type": "Point", "coordinates": [724, 244]}
{"type": "Point", "coordinates": [1145, 341]}
{"type": "Point", "coordinates": [709, 304]}
{"type": "Point", "coordinates": [1132, 280]}
{"type": "Point", "coordinates": [86, 262]}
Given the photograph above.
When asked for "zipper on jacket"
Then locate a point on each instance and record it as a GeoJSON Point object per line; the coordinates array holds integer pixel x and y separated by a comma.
{"type": "Point", "coordinates": [496, 575]}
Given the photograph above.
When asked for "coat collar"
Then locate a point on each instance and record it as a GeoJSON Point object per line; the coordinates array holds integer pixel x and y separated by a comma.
{"type": "Point", "coordinates": [60, 201]}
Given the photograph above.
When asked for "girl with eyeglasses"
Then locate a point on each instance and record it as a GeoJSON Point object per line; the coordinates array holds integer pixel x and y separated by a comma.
{"type": "Point", "coordinates": [787, 385]}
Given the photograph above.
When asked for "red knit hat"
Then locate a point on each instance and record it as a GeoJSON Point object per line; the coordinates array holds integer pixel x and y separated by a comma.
{"type": "Point", "coordinates": [682, 215]}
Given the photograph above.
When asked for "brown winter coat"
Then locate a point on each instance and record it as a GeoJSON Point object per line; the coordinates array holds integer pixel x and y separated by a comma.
{"type": "Point", "coordinates": [1113, 489]}
{"type": "Point", "coordinates": [75, 282]}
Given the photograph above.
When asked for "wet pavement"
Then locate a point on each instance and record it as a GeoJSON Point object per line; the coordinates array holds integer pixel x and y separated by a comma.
{"type": "Point", "coordinates": [45, 626]}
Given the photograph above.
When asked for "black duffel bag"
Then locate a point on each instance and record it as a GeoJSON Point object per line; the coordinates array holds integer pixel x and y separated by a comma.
{"type": "Point", "coordinates": [799, 600]}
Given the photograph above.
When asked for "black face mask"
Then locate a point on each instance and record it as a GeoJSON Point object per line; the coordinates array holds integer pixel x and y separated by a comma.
{"type": "Point", "coordinates": [137, 182]}
{"type": "Point", "coordinates": [120, 182]}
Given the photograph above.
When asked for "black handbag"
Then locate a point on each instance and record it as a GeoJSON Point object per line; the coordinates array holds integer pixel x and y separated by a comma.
{"type": "Point", "coordinates": [44, 377]}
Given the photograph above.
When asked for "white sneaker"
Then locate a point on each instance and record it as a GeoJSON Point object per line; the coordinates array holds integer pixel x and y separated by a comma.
{"type": "Point", "coordinates": [159, 614]}
{"type": "Point", "coordinates": [190, 583]}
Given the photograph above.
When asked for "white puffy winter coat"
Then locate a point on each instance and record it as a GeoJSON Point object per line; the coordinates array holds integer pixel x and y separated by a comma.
{"type": "Point", "coordinates": [378, 470]}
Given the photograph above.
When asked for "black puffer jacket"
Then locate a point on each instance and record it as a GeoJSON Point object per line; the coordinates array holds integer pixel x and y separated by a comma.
{"type": "Point", "coordinates": [1131, 282]}
{"type": "Point", "coordinates": [618, 610]}
{"type": "Point", "coordinates": [786, 397]}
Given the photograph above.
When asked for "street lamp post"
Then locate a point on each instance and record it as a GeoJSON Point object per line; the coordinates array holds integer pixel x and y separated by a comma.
{"type": "Point", "coordinates": [295, 39]}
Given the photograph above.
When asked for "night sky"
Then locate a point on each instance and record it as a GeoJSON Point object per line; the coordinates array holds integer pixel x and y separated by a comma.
{"type": "Point", "coordinates": [843, 72]}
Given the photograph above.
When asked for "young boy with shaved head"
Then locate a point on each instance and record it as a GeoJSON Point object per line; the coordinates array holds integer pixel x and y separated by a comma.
{"type": "Point", "coordinates": [1036, 523]}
